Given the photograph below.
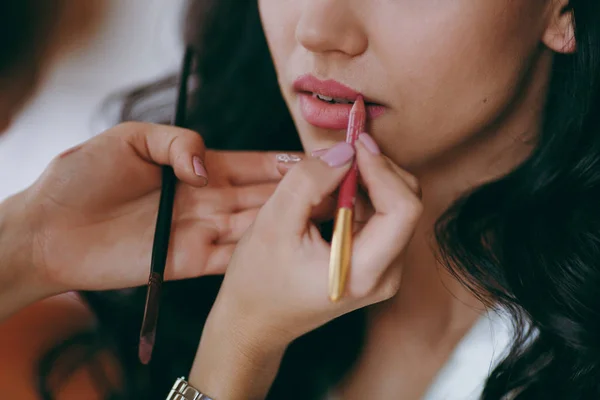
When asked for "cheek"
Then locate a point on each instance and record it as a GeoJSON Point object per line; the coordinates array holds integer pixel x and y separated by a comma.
{"type": "Point", "coordinates": [451, 77]}
{"type": "Point", "coordinates": [279, 19]}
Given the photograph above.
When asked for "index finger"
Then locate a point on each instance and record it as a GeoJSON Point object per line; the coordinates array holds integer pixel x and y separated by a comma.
{"type": "Point", "coordinates": [307, 186]}
{"type": "Point", "coordinates": [397, 211]}
{"type": "Point", "coordinates": [246, 167]}
{"type": "Point", "coordinates": [182, 149]}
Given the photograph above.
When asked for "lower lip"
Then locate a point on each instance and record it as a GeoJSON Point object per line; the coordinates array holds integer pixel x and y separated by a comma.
{"type": "Point", "coordinates": [331, 116]}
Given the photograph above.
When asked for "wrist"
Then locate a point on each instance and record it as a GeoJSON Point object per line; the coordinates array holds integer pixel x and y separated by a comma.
{"type": "Point", "coordinates": [20, 284]}
{"type": "Point", "coordinates": [234, 362]}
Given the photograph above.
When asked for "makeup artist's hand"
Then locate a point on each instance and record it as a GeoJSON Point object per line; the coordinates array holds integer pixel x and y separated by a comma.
{"type": "Point", "coordinates": [90, 219]}
{"type": "Point", "coordinates": [276, 285]}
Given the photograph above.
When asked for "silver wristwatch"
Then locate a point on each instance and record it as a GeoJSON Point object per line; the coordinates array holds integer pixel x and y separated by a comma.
{"type": "Point", "coordinates": [183, 391]}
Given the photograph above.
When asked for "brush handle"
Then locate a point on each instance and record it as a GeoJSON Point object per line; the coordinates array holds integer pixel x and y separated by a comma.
{"type": "Point", "coordinates": [160, 246]}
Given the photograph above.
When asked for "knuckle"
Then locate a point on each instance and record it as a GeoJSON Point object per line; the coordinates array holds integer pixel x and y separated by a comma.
{"type": "Point", "coordinates": [129, 127]}
{"type": "Point", "coordinates": [362, 288]}
{"type": "Point", "coordinates": [133, 125]}
{"type": "Point", "coordinates": [230, 198]}
{"type": "Point", "coordinates": [266, 163]}
{"type": "Point", "coordinates": [302, 183]}
{"type": "Point", "coordinates": [389, 288]}
{"type": "Point", "coordinates": [363, 284]}
{"type": "Point", "coordinates": [223, 224]}
{"type": "Point", "coordinates": [193, 136]}
{"type": "Point", "coordinates": [414, 208]}
{"type": "Point", "coordinates": [411, 181]}
{"type": "Point", "coordinates": [263, 229]}
{"type": "Point", "coordinates": [171, 148]}
{"type": "Point", "coordinates": [414, 183]}
{"type": "Point", "coordinates": [53, 164]}
{"type": "Point", "coordinates": [408, 208]}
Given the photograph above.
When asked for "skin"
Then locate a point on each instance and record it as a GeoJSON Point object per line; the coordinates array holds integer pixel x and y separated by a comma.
{"type": "Point", "coordinates": [459, 128]}
{"type": "Point", "coordinates": [101, 198]}
{"type": "Point", "coordinates": [464, 85]}
{"type": "Point", "coordinates": [94, 208]}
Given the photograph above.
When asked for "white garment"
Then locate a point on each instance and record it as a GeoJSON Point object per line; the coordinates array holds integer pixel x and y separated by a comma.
{"type": "Point", "coordinates": [463, 376]}
{"type": "Point", "coordinates": [138, 42]}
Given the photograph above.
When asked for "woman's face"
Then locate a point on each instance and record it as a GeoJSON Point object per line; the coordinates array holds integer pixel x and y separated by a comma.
{"type": "Point", "coordinates": [439, 72]}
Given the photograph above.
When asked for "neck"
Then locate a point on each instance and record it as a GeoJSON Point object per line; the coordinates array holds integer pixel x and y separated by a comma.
{"type": "Point", "coordinates": [435, 303]}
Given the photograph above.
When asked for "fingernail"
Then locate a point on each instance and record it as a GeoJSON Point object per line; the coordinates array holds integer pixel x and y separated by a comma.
{"type": "Point", "coordinates": [338, 155]}
{"type": "Point", "coordinates": [285, 158]}
{"type": "Point", "coordinates": [319, 152]}
{"type": "Point", "coordinates": [369, 144]}
{"type": "Point", "coordinates": [199, 168]}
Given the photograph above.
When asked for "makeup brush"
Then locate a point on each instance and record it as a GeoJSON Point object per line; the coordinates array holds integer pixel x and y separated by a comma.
{"type": "Point", "coordinates": [341, 243]}
{"type": "Point", "coordinates": [162, 234]}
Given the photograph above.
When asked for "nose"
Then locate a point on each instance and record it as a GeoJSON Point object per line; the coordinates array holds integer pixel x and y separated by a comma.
{"type": "Point", "coordinates": [331, 26]}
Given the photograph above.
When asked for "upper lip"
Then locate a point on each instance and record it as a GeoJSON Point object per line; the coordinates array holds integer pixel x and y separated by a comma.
{"type": "Point", "coordinates": [328, 88]}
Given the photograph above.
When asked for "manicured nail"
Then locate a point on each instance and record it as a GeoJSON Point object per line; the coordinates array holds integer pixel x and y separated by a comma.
{"type": "Point", "coordinates": [319, 152]}
{"type": "Point", "coordinates": [339, 155]}
{"type": "Point", "coordinates": [369, 144]}
{"type": "Point", "coordinates": [199, 167]}
{"type": "Point", "coordinates": [285, 158]}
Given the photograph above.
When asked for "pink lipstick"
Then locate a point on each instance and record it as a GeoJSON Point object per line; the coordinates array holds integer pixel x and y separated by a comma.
{"type": "Point", "coordinates": [327, 104]}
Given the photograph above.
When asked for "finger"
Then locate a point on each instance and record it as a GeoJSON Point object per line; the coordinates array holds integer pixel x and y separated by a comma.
{"type": "Point", "coordinates": [319, 152]}
{"type": "Point", "coordinates": [388, 284]}
{"type": "Point", "coordinates": [397, 210]}
{"type": "Point", "coordinates": [180, 148]}
{"type": "Point", "coordinates": [231, 227]}
{"type": "Point", "coordinates": [219, 258]}
{"type": "Point", "coordinates": [307, 186]}
{"type": "Point", "coordinates": [194, 252]}
{"type": "Point", "coordinates": [409, 179]}
{"type": "Point", "coordinates": [363, 208]}
{"type": "Point", "coordinates": [324, 211]}
{"type": "Point", "coordinates": [246, 167]}
{"type": "Point", "coordinates": [239, 198]}
{"type": "Point", "coordinates": [286, 161]}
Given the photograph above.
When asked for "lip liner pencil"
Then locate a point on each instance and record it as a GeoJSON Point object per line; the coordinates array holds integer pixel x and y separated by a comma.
{"type": "Point", "coordinates": [341, 243]}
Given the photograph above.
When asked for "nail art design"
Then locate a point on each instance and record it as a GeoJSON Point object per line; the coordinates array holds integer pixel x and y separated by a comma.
{"type": "Point", "coordinates": [288, 158]}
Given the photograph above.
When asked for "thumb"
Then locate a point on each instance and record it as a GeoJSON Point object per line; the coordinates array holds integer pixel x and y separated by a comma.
{"type": "Point", "coordinates": [182, 149]}
{"type": "Point", "coordinates": [306, 186]}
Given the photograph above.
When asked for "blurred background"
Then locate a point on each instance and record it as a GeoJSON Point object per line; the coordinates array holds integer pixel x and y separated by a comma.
{"type": "Point", "coordinates": [103, 49]}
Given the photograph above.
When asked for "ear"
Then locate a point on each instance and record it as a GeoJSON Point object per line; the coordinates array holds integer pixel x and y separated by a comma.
{"type": "Point", "coordinates": [560, 33]}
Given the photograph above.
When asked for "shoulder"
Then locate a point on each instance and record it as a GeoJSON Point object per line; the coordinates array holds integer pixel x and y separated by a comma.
{"type": "Point", "coordinates": [27, 335]}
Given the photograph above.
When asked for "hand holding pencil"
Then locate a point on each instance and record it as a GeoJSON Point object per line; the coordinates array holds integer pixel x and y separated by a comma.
{"type": "Point", "coordinates": [276, 285]}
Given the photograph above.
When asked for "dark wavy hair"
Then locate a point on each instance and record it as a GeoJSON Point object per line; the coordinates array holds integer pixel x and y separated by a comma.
{"type": "Point", "coordinates": [528, 242]}
{"type": "Point", "coordinates": [24, 29]}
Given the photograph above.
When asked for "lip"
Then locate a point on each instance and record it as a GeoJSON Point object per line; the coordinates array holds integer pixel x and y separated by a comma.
{"type": "Point", "coordinates": [326, 115]}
